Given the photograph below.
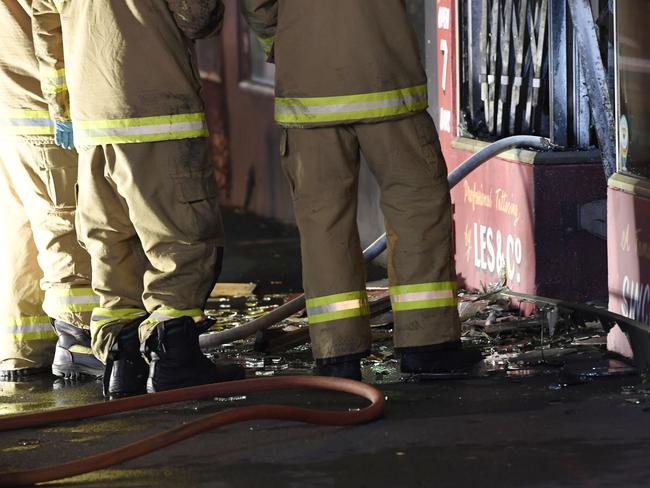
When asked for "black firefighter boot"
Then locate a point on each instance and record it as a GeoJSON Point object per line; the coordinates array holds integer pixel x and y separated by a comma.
{"type": "Point", "coordinates": [176, 359]}
{"type": "Point", "coordinates": [73, 356]}
{"type": "Point", "coordinates": [438, 359]}
{"type": "Point", "coordinates": [126, 370]}
{"type": "Point", "coordinates": [348, 367]}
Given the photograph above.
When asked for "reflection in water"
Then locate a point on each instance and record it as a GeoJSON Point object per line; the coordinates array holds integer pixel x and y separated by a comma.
{"type": "Point", "coordinates": [513, 346]}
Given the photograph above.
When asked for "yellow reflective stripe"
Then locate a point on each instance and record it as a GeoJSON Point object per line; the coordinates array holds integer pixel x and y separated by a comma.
{"type": "Point", "coordinates": [348, 99]}
{"type": "Point", "coordinates": [140, 121]}
{"type": "Point", "coordinates": [53, 81]}
{"type": "Point", "coordinates": [25, 114]}
{"type": "Point", "coordinates": [26, 122]}
{"type": "Point", "coordinates": [29, 328]}
{"type": "Point", "coordinates": [327, 300]}
{"type": "Point", "coordinates": [79, 349]}
{"type": "Point", "coordinates": [425, 304]}
{"type": "Point", "coordinates": [165, 136]}
{"type": "Point", "coordinates": [423, 296]}
{"type": "Point", "coordinates": [266, 44]}
{"type": "Point", "coordinates": [35, 336]}
{"type": "Point", "coordinates": [164, 314]}
{"type": "Point", "coordinates": [104, 316]}
{"type": "Point", "coordinates": [337, 307]}
{"type": "Point", "coordinates": [351, 107]}
{"type": "Point", "coordinates": [433, 286]}
{"type": "Point", "coordinates": [142, 129]}
{"type": "Point", "coordinates": [174, 313]}
{"type": "Point", "coordinates": [72, 292]}
{"type": "Point", "coordinates": [77, 300]}
{"type": "Point", "coordinates": [29, 320]}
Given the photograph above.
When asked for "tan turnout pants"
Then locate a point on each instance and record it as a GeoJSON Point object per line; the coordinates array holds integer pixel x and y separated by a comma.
{"type": "Point", "coordinates": [322, 165]}
{"type": "Point", "coordinates": [148, 215]}
{"type": "Point", "coordinates": [45, 273]}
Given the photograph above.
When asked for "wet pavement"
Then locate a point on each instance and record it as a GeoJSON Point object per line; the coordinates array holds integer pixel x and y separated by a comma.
{"type": "Point", "coordinates": [546, 407]}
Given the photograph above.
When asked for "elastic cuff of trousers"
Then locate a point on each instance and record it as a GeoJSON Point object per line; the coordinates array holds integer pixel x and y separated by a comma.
{"type": "Point", "coordinates": [342, 359]}
{"type": "Point", "coordinates": [443, 346]}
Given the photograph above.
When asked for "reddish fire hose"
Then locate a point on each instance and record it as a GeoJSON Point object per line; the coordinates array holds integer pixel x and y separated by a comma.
{"type": "Point", "coordinates": [172, 436]}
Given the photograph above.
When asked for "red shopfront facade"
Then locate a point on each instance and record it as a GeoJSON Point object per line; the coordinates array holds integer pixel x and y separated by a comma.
{"type": "Point", "coordinates": [629, 188]}
{"type": "Point", "coordinates": [534, 221]}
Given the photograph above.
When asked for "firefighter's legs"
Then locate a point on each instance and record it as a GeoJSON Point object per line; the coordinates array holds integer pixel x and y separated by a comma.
{"type": "Point", "coordinates": [117, 263]}
{"type": "Point", "coordinates": [26, 336]}
{"type": "Point", "coordinates": [405, 158]}
{"type": "Point", "coordinates": [150, 219]}
{"type": "Point", "coordinates": [322, 167]}
{"type": "Point", "coordinates": [415, 199]}
{"type": "Point", "coordinates": [44, 177]}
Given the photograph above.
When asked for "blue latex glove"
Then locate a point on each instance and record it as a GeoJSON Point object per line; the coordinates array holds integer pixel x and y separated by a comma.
{"type": "Point", "coordinates": [64, 135]}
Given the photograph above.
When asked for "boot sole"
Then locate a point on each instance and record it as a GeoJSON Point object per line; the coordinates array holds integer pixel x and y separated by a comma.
{"type": "Point", "coordinates": [76, 371]}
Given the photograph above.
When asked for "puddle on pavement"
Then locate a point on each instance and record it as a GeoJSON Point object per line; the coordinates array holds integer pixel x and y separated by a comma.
{"type": "Point", "coordinates": [637, 395]}
{"type": "Point", "coordinates": [568, 351]}
{"type": "Point", "coordinates": [512, 345]}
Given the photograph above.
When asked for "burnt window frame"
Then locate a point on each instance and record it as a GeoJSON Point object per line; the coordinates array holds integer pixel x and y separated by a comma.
{"type": "Point", "coordinates": [563, 112]}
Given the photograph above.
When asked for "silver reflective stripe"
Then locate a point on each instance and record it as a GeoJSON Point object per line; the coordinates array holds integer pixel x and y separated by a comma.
{"type": "Point", "coordinates": [58, 81]}
{"type": "Point", "coordinates": [336, 307]}
{"type": "Point", "coordinates": [23, 329]}
{"type": "Point", "coordinates": [305, 109]}
{"type": "Point", "coordinates": [422, 295]}
{"type": "Point", "coordinates": [161, 317]}
{"type": "Point", "coordinates": [25, 122]}
{"type": "Point", "coordinates": [145, 129]}
{"type": "Point", "coordinates": [99, 318]}
{"type": "Point", "coordinates": [74, 300]}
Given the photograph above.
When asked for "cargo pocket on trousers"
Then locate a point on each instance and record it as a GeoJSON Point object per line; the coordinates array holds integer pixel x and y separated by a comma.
{"type": "Point", "coordinates": [427, 136]}
{"type": "Point", "coordinates": [197, 193]}
{"type": "Point", "coordinates": [60, 168]}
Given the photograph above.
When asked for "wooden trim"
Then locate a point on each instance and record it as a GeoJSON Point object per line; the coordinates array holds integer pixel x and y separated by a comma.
{"type": "Point", "coordinates": [633, 185]}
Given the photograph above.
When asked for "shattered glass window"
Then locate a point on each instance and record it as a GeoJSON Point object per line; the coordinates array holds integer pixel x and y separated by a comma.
{"type": "Point", "coordinates": [505, 82]}
{"type": "Point", "coordinates": [633, 17]}
{"type": "Point", "coordinates": [520, 70]}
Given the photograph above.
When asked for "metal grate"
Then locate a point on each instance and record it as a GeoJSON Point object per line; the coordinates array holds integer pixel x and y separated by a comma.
{"type": "Point", "coordinates": [520, 70]}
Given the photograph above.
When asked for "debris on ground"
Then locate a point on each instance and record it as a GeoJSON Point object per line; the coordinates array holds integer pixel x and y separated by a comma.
{"type": "Point", "coordinates": [512, 343]}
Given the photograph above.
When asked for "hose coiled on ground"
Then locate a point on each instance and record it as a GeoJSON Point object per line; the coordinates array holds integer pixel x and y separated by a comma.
{"type": "Point", "coordinates": [172, 436]}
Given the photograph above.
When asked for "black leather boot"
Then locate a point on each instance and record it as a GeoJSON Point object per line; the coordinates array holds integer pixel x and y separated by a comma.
{"type": "Point", "coordinates": [440, 358]}
{"type": "Point", "coordinates": [126, 370]}
{"type": "Point", "coordinates": [73, 356]}
{"type": "Point", "coordinates": [342, 367]}
{"type": "Point", "coordinates": [176, 359]}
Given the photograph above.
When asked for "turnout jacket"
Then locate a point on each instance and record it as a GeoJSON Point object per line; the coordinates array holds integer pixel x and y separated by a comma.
{"type": "Point", "coordinates": [23, 108]}
{"type": "Point", "coordinates": [130, 67]}
{"type": "Point", "coordinates": [340, 61]}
